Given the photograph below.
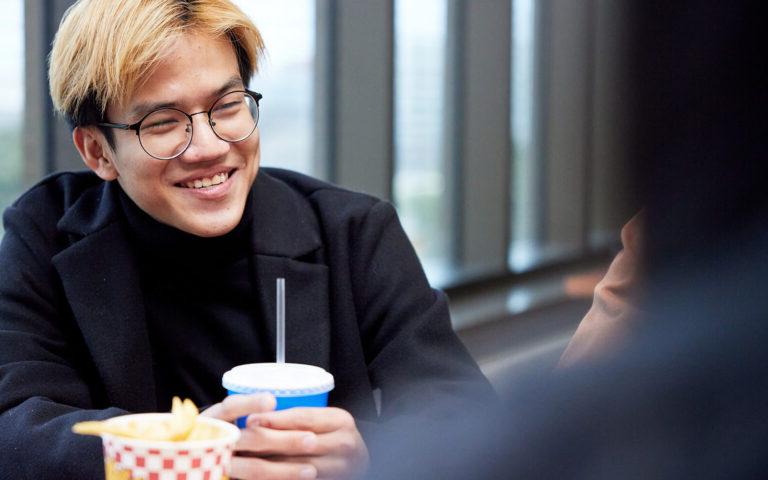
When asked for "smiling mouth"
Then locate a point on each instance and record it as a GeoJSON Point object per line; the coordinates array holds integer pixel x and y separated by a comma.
{"type": "Point", "coordinates": [205, 182]}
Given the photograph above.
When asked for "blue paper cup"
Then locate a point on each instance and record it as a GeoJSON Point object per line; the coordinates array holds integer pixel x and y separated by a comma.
{"type": "Point", "coordinates": [292, 384]}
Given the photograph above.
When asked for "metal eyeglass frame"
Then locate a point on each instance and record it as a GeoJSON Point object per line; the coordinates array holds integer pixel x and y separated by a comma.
{"type": "Point", "coordinates": [137, 126]}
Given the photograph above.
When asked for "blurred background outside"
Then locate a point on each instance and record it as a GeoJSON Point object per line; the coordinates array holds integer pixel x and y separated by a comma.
{"type": "Point", "coordinates": [11, 101]}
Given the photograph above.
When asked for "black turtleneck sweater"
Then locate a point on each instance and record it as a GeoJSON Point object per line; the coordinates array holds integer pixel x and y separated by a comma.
{"type": "Point", "coordinates": [197, 291]}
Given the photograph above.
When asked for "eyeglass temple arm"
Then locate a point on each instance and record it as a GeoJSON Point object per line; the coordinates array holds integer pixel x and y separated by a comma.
{"type": "Point", "coordinates": [121, 126]}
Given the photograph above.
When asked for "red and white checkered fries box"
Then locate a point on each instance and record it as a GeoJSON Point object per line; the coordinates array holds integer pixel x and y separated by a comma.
{"type": "Point", "coordinates": [165, 446]}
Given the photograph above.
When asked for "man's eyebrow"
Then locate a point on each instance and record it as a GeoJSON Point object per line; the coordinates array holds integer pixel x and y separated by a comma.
{"type": "Point", "coordinates": [234, 82]}
{"type": "Point", "coordinates": [141, 109]}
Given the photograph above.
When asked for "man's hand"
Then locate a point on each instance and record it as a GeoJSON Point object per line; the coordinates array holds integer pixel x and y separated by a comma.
{"type": "Point", "coordinates": [298, 443]}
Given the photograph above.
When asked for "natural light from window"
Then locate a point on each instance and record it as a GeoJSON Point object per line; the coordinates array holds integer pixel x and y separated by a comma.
{"type": "Point", "coordinates": [286, 81]}
{"type": "Point", "coordinates": [419, 181]}
{"type": "Point", "coordinates": [11, 101]}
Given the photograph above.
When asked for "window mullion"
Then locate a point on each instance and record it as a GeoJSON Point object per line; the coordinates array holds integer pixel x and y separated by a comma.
{"type": "Point", "coordinates": [483, 173]}
{"type": "Point", "coordinates": [361, 149]}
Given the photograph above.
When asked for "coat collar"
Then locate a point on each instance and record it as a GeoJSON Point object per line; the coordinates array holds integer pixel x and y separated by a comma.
{"type": "Point", "coordinates": [285, 232]}
{"type": "Point", "coordinates": [284, 224]}
{"type": "Point", "coordinates": [101, 283]}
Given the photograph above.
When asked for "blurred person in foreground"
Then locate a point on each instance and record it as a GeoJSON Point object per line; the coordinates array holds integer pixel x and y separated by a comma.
{"type": "Point", "coordinates": [152, 274]}
{"type": "Point", "coordinates": [685, 392]}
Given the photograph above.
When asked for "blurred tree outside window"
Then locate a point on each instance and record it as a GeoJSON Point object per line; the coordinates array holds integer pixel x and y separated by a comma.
{"type": "Point", "coordinates": [419, 182]}
{"type": "Point", "coordinates": [525, 244]}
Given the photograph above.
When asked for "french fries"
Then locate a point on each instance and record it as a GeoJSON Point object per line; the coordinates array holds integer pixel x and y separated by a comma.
{"type": "Point", "coordinates": [181, 425]}
{"type": "Point", "coordinates": [183, 419]}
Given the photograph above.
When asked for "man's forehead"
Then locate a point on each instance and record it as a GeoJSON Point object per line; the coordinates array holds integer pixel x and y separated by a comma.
{"type": "Point", "coordinates": [196, 67]}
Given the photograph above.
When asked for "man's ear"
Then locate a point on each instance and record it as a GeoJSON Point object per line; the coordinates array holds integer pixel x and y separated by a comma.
{"type": "Point", "coordinates": [96, 154]}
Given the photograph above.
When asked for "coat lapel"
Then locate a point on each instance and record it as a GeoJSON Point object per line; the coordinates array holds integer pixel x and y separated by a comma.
{"type": "Point", "coordinates": [99, 276]}
{"type": "Point", "coordinates": [307, 318]}
{"type": "Point", "coordinates": [287, 243]}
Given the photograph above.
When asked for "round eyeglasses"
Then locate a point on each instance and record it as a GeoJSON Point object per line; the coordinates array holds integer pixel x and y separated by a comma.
{"type": "Point", "coordinates": [166, 133]}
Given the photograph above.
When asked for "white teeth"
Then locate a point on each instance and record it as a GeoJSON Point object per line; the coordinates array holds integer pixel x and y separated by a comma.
{"type": "Point", "coordinates": [220, 178]}
{"type": "Point", "coordinates": [208, 182]}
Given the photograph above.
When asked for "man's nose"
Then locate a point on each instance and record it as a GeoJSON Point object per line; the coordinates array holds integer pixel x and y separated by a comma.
{"type": "Point", "coordinates": [205, 144]}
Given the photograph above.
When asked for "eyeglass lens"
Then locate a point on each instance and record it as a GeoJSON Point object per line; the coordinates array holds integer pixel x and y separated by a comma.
{"type": "Point", "coordinates": [167, 132]}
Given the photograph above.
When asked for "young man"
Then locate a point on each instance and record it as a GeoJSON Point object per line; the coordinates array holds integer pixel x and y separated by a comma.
{"type": "Point", "coordinates": [153, 273]}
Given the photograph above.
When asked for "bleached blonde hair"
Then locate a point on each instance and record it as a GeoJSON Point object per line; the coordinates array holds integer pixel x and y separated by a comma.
{"type": "Point", "coordinates": [104, 49]}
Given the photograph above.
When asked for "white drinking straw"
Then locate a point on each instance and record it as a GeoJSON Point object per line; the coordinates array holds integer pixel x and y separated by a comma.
{"type": "Point", "coordinates": [280, 320]}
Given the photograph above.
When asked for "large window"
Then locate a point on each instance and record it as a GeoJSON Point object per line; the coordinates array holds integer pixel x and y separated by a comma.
{"type": "Point", "coordinates": [11, 101]}
{"type": "Point", "coordinates": [493, 126]}
{"type": "Point", "coordinates": [285, 80]}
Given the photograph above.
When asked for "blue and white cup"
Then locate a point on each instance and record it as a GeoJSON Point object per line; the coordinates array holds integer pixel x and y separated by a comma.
{"type": "Point", "coordinates": [292, 384]}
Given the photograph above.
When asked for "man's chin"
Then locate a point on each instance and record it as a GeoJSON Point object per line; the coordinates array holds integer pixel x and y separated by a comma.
{"type": "Point", "coordinates": [209, 227]}
{"type": "Point", "coordinates": [215, 231]}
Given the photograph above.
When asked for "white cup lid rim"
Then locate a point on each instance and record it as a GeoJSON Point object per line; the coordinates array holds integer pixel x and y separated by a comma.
{"type": "Point", "coordinates": [286, 379]}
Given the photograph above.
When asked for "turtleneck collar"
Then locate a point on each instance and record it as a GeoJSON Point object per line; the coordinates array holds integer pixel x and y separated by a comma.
{"type": "Point", "coordinates": [161, 241]}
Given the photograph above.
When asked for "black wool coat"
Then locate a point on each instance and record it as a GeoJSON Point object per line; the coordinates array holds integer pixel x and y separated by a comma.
{"type": "Point", "coordinates": [73, 337]}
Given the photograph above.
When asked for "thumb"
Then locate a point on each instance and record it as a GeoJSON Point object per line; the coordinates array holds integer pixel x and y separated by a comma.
{"type": "Point", "coordinates": [235, 406]}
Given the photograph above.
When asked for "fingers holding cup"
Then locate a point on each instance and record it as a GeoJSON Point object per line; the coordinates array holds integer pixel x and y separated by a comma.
{"type": "Point", "coordinates": [238, 406]}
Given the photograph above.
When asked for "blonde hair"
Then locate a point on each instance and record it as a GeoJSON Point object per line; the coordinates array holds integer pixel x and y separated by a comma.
{"type": "Point", "coordinates": [104, 49]}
